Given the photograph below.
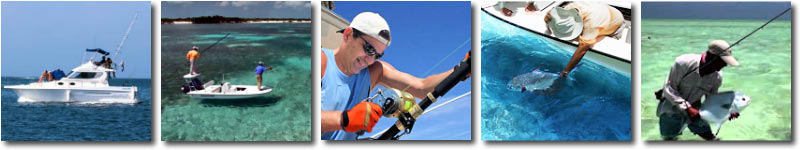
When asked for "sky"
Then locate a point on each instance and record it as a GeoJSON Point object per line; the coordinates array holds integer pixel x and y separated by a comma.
{"type": "Point", "coordinates": [715, 10]}
{"type": "Point", "coordinates": [242, 9]}
{"type": "Point", "coordinates": [423, 34]}
{"type": "Point", "coordinates": [38, 36]}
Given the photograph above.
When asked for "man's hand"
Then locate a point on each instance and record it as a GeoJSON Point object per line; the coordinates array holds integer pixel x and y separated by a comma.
{"type": "Point", "coordinates": [734, 115]}
{"type": "Point", "coordinates": [694, 114]}
{"type": "Point", "coordinates": [361, 117]}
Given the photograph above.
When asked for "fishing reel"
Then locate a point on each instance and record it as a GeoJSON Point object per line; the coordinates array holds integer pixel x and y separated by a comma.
{"type": "Point", "coordinates": [398, 104]}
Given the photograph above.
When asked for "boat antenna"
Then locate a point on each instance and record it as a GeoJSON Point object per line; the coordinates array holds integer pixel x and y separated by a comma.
{"type": "Point", "coordinates": [759, 28]}
{"type": "Point", "coordinates": [126, 36]}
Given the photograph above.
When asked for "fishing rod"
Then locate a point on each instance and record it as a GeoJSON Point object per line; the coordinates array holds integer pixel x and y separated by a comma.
{"type": "Point", "coordinates": [759, 28]}
{"type": "Point", "coordinates": [407, 111]}
{"type": "Point", "coordinates": [215, 43]}
{"type": "Point", "coordinates": [426, 111]}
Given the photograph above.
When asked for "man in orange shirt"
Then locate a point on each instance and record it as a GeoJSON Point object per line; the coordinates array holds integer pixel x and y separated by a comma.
{"type": "Point", "coordinates": [192, 57]}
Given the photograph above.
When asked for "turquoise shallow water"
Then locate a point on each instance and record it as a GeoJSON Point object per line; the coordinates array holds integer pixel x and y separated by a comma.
{"type": "Point", "coordinates": [282, 115]}
{"type": "Point", "coordinates": [764, 74]}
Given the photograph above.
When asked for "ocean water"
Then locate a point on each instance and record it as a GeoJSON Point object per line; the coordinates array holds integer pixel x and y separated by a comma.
{"type": "Point", "coordinates": [76, 122]}
{"type": "Point", "coordinates": [282, 115]}
{"type": "Point", "coordinates": [764, 74]}
{"type": "Point", "coordinates": [592, 104]}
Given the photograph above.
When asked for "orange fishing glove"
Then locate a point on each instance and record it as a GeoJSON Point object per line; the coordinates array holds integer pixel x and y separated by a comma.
{"type": "Point", "coordinates": [361, 117]}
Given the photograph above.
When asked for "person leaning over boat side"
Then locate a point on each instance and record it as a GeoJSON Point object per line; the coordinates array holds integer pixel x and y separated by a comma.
{"type": "Point", "coordinates": [349, 73]}
{"type": "Point", "coordinates": [692, 77]}
{"type": "Point", "coordinates": [259, 70]}
{"type": "Point", "coordinates": [192, 57]}
{"type": "Point", "coordinates": [585, 22]}
{"type": "Point", "coordinates": [44, 77]}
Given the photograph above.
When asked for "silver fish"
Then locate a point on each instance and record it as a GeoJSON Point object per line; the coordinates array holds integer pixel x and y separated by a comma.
{"type": "Point", "coordinates": [534, 80]}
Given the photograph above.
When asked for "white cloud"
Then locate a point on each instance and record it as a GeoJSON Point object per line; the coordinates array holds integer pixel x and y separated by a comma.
{"type": "Point", "coordinates": [292, 4]}
{"type": "Point", "coordinates": [224, 3]}
{"type": "Point", "coordinates": [178, 2]}
{"type": "Point", "coordinates": [243, 4]}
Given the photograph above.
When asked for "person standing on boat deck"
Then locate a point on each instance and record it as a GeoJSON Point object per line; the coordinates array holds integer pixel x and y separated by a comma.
{"type": "Point", "coordinates": [107, 64]}
{"type": "Point", "coordinates": [692, 77]}
{"type": "Point", "coordinates": [101, 62]}
{"type": "Point", "coordinates": [259, 70]}
{"type": "Point", "coordinates": [192, 57]}
{"type": "Point", "coordinates": [585, 22]}
{"type": "Point", "coordinates": [349, 73]}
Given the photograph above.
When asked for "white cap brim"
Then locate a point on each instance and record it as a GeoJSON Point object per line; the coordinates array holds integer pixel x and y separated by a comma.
{"type": "Point", "coordinates": [730, 60]}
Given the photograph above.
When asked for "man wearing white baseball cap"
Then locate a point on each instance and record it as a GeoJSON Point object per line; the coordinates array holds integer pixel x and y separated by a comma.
{"type": "Point", "coordinates": [692, 77]}
{"type": "Point", "coordinates": [350, 71]}
{"type": "Point", "coordinates": [585, 22]}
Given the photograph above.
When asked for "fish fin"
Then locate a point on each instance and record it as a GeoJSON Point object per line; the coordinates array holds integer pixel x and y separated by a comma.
{"type": "Point", "coordinates": [523, 89]}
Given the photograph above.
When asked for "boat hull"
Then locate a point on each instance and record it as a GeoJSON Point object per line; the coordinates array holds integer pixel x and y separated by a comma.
{"type": "Point", "coordinates": [117, 95]}
{"type": "Point", "coordinates": [248, 92]}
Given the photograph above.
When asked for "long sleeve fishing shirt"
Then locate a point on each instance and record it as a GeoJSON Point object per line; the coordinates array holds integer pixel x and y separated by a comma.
{"type": "Point", "coordinates": [680, 91]}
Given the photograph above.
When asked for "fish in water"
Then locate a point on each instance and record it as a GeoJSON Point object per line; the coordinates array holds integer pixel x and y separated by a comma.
{"type": "Point", "coordinates": [534, 80]}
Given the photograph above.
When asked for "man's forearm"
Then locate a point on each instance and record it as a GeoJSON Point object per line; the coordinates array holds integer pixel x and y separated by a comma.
{"type": "Point", "coordinates": [430, 83]}
{"type": "Point", "coordinates": [576, 57]}
{"type": "Point", "coordinates": [331, 121]}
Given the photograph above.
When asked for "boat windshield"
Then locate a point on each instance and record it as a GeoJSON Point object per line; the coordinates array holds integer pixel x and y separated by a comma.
{"type": "Point", "coordinates": [84, 75]}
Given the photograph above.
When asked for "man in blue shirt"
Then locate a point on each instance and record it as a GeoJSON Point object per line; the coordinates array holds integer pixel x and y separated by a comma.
{"type": "Point", "coordinates": [259, 70]}
{"type": "Point", "coordinates": [58, 74]}
{"type": "Point", "coordinates": [349, 73]}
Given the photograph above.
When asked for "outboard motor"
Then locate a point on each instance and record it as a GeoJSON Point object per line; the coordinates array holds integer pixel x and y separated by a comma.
{"type": "Point", "coordinates": [194, 84]}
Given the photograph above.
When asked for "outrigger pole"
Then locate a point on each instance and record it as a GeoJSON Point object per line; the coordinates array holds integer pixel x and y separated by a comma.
{"type": "Point", "coordinates": [126, 36]}
{"type": "Point", "coordinates": [405, 122]}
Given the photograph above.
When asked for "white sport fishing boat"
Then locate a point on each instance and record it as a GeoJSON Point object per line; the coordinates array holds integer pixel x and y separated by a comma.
{"type": "Point", "coordinates": [88, 83]}
{"type": "Point", "coordinates": [209, 90]}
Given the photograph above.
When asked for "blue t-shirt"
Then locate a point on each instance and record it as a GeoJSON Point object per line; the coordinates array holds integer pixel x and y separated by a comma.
{"type": "Point", "coordinates": [58, 74]}
{"type": "Point", "coordinates": [260, 69]}
{"type": "Point", "coordinates": [340, 92]}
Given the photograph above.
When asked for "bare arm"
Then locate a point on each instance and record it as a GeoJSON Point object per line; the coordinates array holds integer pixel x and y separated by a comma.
{"type": "Point", "coordinates": [331, 121]}
{"type": "Point", "coordinates": [576, 58]}
{"type": "Point", "coordinates": [391, 77]}
{"type": "Point", "coordinates": [324, 64]}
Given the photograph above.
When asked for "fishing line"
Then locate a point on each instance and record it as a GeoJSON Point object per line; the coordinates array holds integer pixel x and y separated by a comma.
{"type": "Point", "coordinates": [441, 60]}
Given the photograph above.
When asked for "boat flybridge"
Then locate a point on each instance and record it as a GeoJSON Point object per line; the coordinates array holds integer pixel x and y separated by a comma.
{"type": "Point", "coordinates": [87, 83]}
{"type": "Point", "coordinates": [196, 89]}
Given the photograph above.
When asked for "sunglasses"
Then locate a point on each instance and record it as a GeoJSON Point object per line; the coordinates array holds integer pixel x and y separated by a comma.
{"type": "Point", "coordinates": [370, 50]}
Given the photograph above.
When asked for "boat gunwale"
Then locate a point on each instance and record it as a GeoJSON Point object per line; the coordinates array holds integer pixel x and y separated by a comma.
{"type": "Point", "coordinates": [556, 39]}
